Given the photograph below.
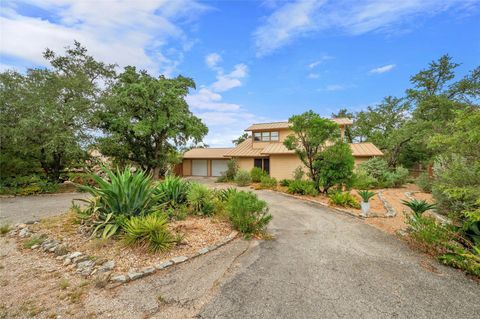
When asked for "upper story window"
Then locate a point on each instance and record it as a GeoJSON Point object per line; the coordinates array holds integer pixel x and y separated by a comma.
{"type": "Point", "coordinates": [265, 136]}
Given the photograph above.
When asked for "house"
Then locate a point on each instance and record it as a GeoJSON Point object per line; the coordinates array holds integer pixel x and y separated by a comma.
{"type": "Point", "coordinates": [263, 149]}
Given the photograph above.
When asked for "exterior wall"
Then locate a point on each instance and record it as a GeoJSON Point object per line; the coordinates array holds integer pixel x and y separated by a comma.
{"type": "Point", "coordinates": [359, 160]}
{"type": "Point", "coordinates": [245, 163]}
{"type": "Point", "coordinates": [283, 166]}
{"type": "Point", "coordinates": [187, 167]}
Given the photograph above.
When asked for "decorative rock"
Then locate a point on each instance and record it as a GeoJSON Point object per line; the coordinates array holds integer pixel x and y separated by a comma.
{"type": "Point", "coordinates": [24, 232]}
{"type": "Point", "coordinates": [135, 275]}
{"type": "Point", "coordinates": [164, 265]}
{"type": "Point", "coordinates": [109, 265]}
{"type": "Point", "coordinates": [35, 246]}
{"type": "Point", "coordinates": [85, 268]}
{"type": "Point", "coordinates": [85, 264]}
{"type": "Point", "coordinates": [119, 278]}
{"type": "Point", "coordinates": [74, 255]}
{"type": "Point", "coordinates": [20, 226]}
{"type": "Point", "coordinates": [31, 222]}
{"type": "Point", "coordinates": [148, 270]}
{"type": "Point", "coordinates": [80, 259]}
{"type": "Point", "coordinates": [67, 261]}
{"type": "Point", "coordinates": [203, 251]}
{"type": "Point", "coordinates": [61, 250]}
{"type": "Point", "coordinates": [179, 259]}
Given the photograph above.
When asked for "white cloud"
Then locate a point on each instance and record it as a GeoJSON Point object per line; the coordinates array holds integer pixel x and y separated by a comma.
{"type": "Point", "coordinates": [335, 87]}
{"type": "Point", "coordinates": [212, 60]}
{"type": "Point", "coordinates": [231, 80]}
{"type": "Point", "coordinates": [313, 75]}
{"type": "Point", "coordinates": [383, 69]}
{"type": "Point", "coordinates": [322, 59]}
{"type": "Point", "coordinates": [206, 99]}
{"type": "Point", "coordinates": [127, 32]}
{"type": "Point", "coordinates": [304, 17]}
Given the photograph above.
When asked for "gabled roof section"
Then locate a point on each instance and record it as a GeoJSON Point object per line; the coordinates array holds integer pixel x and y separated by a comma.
{"type": "Point", "coordinates": [283, 125]}
{"type": "Point", "coordinates": [365, 149]}
{"type": "Point", "coordinates": [207, 152]}
{"type": "Point", "coordinates": [244, 149]}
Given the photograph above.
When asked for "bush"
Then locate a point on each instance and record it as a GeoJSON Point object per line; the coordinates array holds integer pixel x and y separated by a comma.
{"type": "Point", "coordinates": [285, 182]}
{"type": "Point", "coordinates": [149, 231]}
{"type": "Point", "coordinates": [172, 191]}
{"type": "Point", "coordinates": [298, 173]}
{"type": "Point", "coordinates": [27, 185]}
{"type": "Point", "coordinates": [201, 199]}
{"type": "Point", "coordinates": [424, 182]}
{"type": "Point", "coordinates": [375, 167]}
{"type": "Point", "coordinates": [248, 214]}
{"type": "Point", "coordinates": [256, 174]}
{"type": "Point", "coordinates": [344, 199]}
{"type": "Point", "coordinates": [361, 180]}
{"type": "Point", "coordinates": [243, 178]}
{"type": "Point", "coordinates": [302, 187]}
{"type": "Point", "coordinates": [224, 194]}
{"type": "Point", "coordinates": [267, 182]}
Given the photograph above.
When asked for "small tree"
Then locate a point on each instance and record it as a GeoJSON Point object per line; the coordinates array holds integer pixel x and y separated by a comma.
{"type": "Point", "coordinates": [334, 165]}
{"type": "Point", "coordinates": [311, 133]}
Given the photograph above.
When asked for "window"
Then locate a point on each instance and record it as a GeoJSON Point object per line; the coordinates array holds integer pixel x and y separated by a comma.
{"type": "Point", "coordinates": [274, 136]}
{"type": "Point", "coordinates": [265, 136]}
{"type": "Point", "coordinates": [256, 136]}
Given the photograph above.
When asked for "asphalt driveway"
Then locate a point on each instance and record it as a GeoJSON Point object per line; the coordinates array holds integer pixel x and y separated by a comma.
{"type": "Point", "coordinates": [327, 265]}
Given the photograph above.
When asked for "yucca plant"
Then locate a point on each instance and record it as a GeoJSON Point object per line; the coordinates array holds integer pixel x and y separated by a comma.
{"type": "Point", "coordinates": [418, 207]}
{"type": "Point", "coordinates": [201, 199]}
{"type": "Point", "coordinates": [366, 195]}
{"type": "Point", "coordinates": [173, 191]}
{"type": "Point", "coordinates": [149, 231]}
{"type": "Point", "coordinates": [224, 194]}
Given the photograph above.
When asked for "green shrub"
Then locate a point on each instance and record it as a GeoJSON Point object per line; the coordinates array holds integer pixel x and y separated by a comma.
{"type": "Point", "coordinates": [267, 182]}
{"type": "Point", "coordinates": [344, 199]}
{"type": "Point", "coordinates": [201, 199]}
{"type": "Point", "coordinates": [27, 185]}
{"type": "Point", "coordinates": [298, 173]}
{"type": "Point", "coordinates": [243, 178]}
{"type": "Point", "coordinates": [285, 182]}
{"type": "Point", "coordinates": [35, 240]}
{"type": "Point", "coordinates": [230, 173]}
{"type": "Point", "coordinates": [375, 167]}
{"type": "Point", "coordinates": [302, 187]}
{"type": "Point", "coordinates": [172, 191]}
{"type": "Point", "coordinates": [424, 182]}
{"type": "Point", "coordinates": [247, 213]}
{"type": "Point", "coordinates": [149, 231]}
{"type": "Point", "coordinates": [361, 180]}
{"type": "Point", "coordinates": [256, 174]}
{"type": "Point", "coordinates": [179, 212]}
{"type": "Point", "coordinates": [401, 176]}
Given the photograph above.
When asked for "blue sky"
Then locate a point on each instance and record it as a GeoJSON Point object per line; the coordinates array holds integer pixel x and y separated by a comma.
{"type": "Point", "coordinates": [254, 61]}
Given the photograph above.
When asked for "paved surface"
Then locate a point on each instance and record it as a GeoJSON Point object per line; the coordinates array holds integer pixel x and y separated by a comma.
{"type": "Point", "coordinates": [22, 209]}
{"type": "Point", "coordinates": [327, 265]}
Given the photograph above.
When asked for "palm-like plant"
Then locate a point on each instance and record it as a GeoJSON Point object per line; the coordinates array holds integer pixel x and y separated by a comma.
{"type": "Point", "coordinates": [366, 195]}
{"type": "Point", "coordinates": [418, 207]}
{"type": "Point", "coordinates": [173, 190]}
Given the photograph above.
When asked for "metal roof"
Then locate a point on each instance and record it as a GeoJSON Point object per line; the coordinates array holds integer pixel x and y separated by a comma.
{"type": "Point", "coordinates": [283, 125]}
{"type": "Point", "coordinates": [207, 152]}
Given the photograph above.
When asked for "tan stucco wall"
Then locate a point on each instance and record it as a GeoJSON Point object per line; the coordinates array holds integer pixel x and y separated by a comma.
{"type": "Point", "coordinates": [187, 167]}
{"type": "Point", "coordinates": [245, 163]}
{"type": "Point", "coordinates": [282, 134]}
{"type": "Point", "coordinates": [283, 166]}
{"type": "Point", "coordinates": [359, 160]}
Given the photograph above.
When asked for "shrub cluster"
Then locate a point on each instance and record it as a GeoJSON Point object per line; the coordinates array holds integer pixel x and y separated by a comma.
{"type": "Point", "coordinates": [424, 182]}
{"type": "Point", "coordinates": [131, 206]}
{"type": "Point", "coordinates": [243, 178]}
{"type": "Point", "coordinates": [302, 187]}
{"type": "Point", "coordinates": [344, 199]}
{"type": "Point", "coordinates": [375, 173]}
{"type": "Point", "coordinates": [27, 185]}
{"type": "Point", "coordinates": [267, 182]}
{"type": "Point", "coordinates": [230, 173]}
{"type": "Point", "coordinates": [256, 174]}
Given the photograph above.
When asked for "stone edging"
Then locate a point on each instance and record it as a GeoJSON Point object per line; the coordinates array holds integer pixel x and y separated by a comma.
{"type": "Point", "coordinates": [390, 210]}
{"type": "Point", "coordinates": [87, 266]}
{"type": "Point", "coordinates": [437, 216]}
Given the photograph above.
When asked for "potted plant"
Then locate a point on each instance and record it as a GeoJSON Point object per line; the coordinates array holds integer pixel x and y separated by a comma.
{"type": "Point", "coordinates": [365, 195]}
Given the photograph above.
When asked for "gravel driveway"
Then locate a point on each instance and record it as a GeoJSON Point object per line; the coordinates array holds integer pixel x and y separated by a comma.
{"type": "Point", "coordinates": [22, 209]}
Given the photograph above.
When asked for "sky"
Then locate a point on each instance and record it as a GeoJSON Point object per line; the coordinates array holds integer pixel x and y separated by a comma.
{"type": "Point", "coordinates": [254, 61]}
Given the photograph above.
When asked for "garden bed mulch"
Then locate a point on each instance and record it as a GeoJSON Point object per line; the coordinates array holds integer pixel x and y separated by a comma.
{"type": "Point", "coordinates": [199, 232]}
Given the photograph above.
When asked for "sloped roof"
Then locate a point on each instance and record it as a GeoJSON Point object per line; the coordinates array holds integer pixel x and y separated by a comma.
{"type": "Point", "coordinates": [207, 152]}
{"type": "Point", "coordinates": [277, 148]}
{"type": "Point", "coordinates": [244, 149]}
{"type": "Point", "coordinates": [283, 125]}
{"type": "Point", "coordinates": [365, 149]}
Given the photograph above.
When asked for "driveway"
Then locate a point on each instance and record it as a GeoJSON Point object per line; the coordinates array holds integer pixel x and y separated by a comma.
{"type": "Point", "coordinates": [327, 265]}
{"type": "Point", "coordinates": [22, 209]}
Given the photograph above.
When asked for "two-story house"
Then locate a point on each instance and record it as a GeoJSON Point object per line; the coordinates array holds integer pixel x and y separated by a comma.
{"type": "Point", "coordinates": [263, 149]}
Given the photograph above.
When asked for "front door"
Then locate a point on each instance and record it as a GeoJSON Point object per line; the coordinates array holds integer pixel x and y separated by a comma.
{"type": "Point", "coordinates": [266, 165]}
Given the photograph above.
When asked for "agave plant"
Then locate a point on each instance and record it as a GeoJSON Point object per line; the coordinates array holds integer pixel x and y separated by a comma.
{"type": "Point", "coordinates": [119, 195]}
{"type": "Point", "coordinates": [173, 191]}
{"type": "Point", "coordinates": [418, 207]}
{"type": "Point", "coordinates": [366, 195]}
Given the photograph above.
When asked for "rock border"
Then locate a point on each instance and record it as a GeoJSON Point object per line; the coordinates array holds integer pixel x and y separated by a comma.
{"type": "Point", "coordinates": [391, 212]}
{"type": "Point", "coordinates": [87, 266]}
